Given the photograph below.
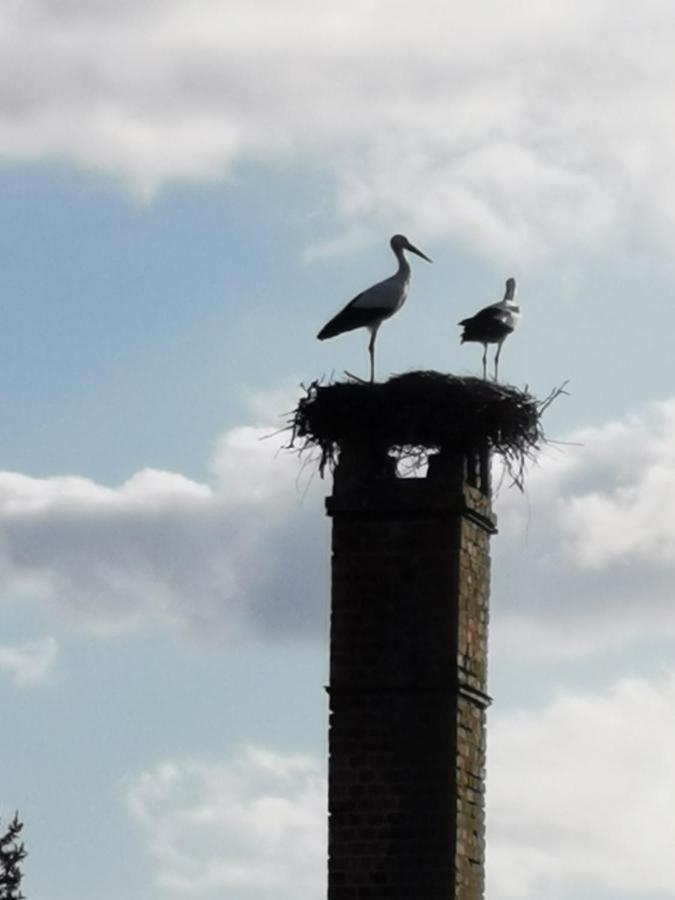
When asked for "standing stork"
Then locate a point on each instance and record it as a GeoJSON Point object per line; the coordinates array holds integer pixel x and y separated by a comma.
{"type": "Point", "coordinates": [370, 308]}
{"type": "Point", "coordinates": [493, 324]}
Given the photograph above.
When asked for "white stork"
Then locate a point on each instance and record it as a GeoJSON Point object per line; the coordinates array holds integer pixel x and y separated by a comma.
{"type": "Point", "coordinates": [370, 308]}
{"type": "Point", "coordinates": [493, 324]}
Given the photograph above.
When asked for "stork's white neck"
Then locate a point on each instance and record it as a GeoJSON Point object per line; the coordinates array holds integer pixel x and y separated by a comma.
{"type": "Point", "coordinates": [403, 264]}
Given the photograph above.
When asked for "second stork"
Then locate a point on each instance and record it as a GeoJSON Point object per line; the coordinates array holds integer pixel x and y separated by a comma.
{"type": "Point", "coordinates": [493, 324]}
{"type": "Point", "coordinates": [370, 308]}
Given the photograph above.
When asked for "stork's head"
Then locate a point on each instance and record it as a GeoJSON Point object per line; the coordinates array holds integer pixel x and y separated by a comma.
{"type": "Point", "coordinates": [510, 289]}
{"type": "Point", "coordinates": [399, 242]}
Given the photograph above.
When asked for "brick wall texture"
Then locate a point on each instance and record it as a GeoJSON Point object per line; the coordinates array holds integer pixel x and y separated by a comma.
{"type": "Point", "coordinates": [409, 616]}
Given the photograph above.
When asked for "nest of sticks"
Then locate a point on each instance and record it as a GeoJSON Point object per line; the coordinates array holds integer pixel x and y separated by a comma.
{"type": "Point", "coordinates": [417, 414]}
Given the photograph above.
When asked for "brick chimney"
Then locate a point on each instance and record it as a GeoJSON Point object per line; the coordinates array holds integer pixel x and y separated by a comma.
{"type": "Point", "coordinates": [408, 655]}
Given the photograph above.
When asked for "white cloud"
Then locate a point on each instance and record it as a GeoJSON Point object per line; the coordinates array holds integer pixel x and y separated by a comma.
{"type": "Point", "coordinates": [580, 796]}
{"type": "Point", "coordinates": [226, 561]}
{"type": "Point", "coordinates": [29, 663]}
{"type": "Point", "coordinates": [587, 559]}
{"type": "Point", "coordinates": [253, 827]}
{"type": "Point", "coordinates": [520, 129]}
{"type": "Point", "coordinates": [584, 562]}
{"type": "Point", "coordinates": [579, 807]}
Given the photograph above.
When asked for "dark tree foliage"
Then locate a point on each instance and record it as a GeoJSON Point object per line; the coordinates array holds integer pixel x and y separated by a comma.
{"type": "Point", "coordinates": [12, 852]}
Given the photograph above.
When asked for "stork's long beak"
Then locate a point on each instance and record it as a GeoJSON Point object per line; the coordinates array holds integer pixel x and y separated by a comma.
{"type": "Point", "coordinates": [412, 249]}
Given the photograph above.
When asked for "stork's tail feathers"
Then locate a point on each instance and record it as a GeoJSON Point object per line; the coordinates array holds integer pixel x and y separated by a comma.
{"type": "Point", "coordinates": [326, 332]}
{"type": "Point", "coordinates": [352, 317]}
{"type": "Point", "coordinates": [334, 327]}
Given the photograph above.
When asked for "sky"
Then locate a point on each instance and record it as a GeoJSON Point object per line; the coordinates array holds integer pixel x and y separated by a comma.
{"type": "Point", "coordinates": [188, 192]}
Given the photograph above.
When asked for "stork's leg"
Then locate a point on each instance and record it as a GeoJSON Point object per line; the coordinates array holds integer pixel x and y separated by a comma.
{"type": "Point", "coordinates": [485, 346]}
{"type": "Point", "coordinates": [499, 350]}
{"type": "Point", "coordinates": [371, 351]}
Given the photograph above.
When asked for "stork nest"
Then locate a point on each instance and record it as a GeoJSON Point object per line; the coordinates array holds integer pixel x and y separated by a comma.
{"type": "Point", "coordinates": [418, 414]}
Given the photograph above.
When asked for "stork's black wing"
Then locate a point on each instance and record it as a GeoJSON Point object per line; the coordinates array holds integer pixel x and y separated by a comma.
{"type": "Point", "coordinates": [352, 317]}
{"type": "Point", "coordinates": [489, 325]}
